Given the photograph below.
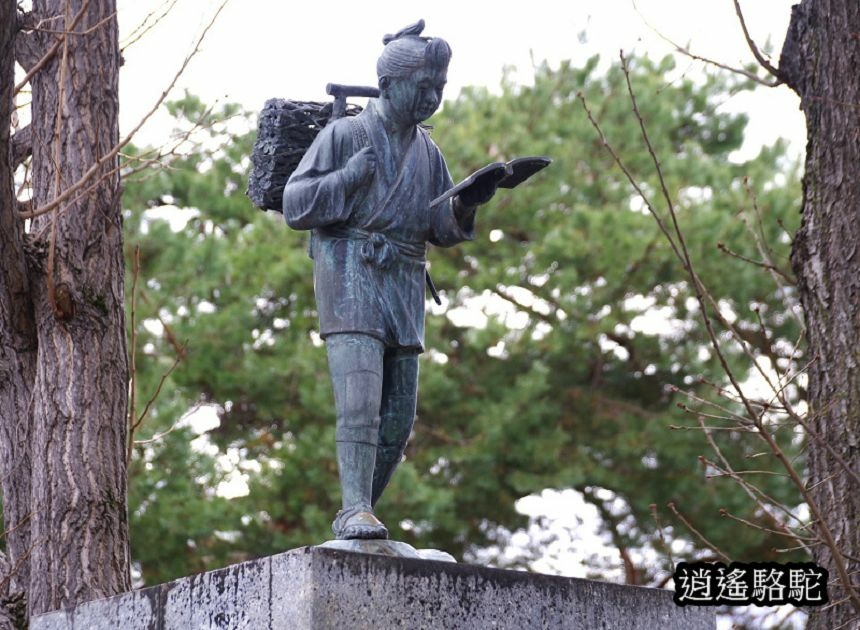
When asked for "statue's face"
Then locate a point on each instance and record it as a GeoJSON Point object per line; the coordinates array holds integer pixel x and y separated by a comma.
{"type": "Point", "coordinates": [417, 97]}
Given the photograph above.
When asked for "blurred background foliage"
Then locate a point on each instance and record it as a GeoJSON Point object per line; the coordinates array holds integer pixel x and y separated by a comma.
{"type": "Point", "coordinates": [565, 327]}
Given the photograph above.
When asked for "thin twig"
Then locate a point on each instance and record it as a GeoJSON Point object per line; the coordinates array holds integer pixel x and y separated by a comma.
{"type": "Point", "coordinates": [135, 423]}
{"type": "Point", "coordinates": [14, 571]}
{"type": "Point", "coordinates": [832, 451]}
{"type": "Point", "coordinates": [178, 348]}
{"type": "Point", "coordinates": [17, 525]}
{"type": "Point", "coordinates": [764, 265]}
{"type": "Point", "coordinates": [143, 28]}
{"type": "Point", "coordinates": [629, 175]}
{"type": "Point", "coordinates": [685, 427]}
{"type": "Point", "coordinates": [817, 517]}
{"type": "Point", "coordinates": [848, 623]}
{"type": "Point", "coordinates": [767, 254]}
{"type": "Point", "coordinates": [753, 48]}
{"type": "Point", "coordinates": [132, 410]}
{"type": "Point", "coordinates": [88, 31]}
{"type": "Point", "coordinates": [697, 533]}
{"type": "Point", "coordinates": [111, 155]}
{"type": "Point", "coordinates": [680, 252]}
{"type": "Point", "coordinates": [152, 399]}
{"type": "Point", "coordinates": [687, 53]}
{"type": "Point", "coordinates": [746, 73]}
{"type": "Point", "coordinates": [176, 425]}
{"type": "Point", "coordinates": [58, 123]}
{"type": "Point", "coordinates": [666, 546]}
{"type": "Point", "coordinates": [746, 472]}
{"type": "Point", "coordinates": [754, 492]}
{"type": "Point", "coordinates": [157, 155]}
{"type": "Point", "coordinates": [157, 437]}
{"type": "Point", "coordinates": [742, 421]}
{"type": "Point", "coordinates": [53, 49]}
{"type": "Point", "coordinates": [761, 528]}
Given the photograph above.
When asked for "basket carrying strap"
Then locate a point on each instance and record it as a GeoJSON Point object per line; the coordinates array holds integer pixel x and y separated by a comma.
{"type": "Point", "coordinates": [359, 133]}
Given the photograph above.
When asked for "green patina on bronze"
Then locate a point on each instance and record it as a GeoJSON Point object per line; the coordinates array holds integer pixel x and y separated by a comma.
{"type": "Point", "coordinates": [372, 190]}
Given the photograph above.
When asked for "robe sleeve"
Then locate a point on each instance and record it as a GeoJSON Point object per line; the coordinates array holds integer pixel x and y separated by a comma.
{"type": "Point", "coordinates": [450, 222]}
{"type": "Point", "coordinates": [316, 193]}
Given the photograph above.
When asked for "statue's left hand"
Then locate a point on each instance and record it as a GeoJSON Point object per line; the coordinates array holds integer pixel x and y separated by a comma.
{"type": "Point", "coordinates": [478, 194]}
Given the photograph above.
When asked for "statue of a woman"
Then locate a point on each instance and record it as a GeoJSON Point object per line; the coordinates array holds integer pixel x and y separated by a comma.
{"type": "Point", "coordinates": [364, 188]}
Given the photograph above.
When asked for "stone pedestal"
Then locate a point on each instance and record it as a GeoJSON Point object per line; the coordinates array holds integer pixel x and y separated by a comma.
{"type": "Point", "coordinates": [315, 588]}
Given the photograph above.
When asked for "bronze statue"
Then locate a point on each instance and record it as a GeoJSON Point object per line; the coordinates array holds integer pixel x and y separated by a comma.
{"type": "Point", "coordinates": [374, 190]}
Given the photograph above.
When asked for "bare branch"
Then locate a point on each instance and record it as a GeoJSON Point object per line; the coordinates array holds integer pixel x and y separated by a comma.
{"type": "Point", "coordinates": [500, 291]}
{"type": "Point", "coordinates": [666, 546]}
{"type": "Point", "coordinates": [53, 49]}
{"type": "Point", "coordinates": [440, 435]}
{"type": "Point", "coordinates": [168, 331]}
{"type": "Point", "coordinates": [702, 295]}
{"type": "Point", "coordinates": [764, 265]}
{"type": "Point", "coordinates": [819, 439]}
{"type": "Point", "coordinates": [4, 583]}
{"type": "Point", "coordinates": [764, 63]}
{"type": "Point", "coordinates": [765, 251]}
{"type": "Point", "coordinates": [145, 26]}
{"type": "Point", "coordinates": [760, 528]}
{"type": "Point", "coordinates": [156, 157]}
{"type": "Point", "coordinates": [631, 572]}
{"type": "Point", "coordinates": [112, 154]}
{"type": "Point", "coordinates": [132, 403]}
{"type": "Point", "coordinates": [754, 492]}
{"type": "Point", "coordinates": [849, 623]}
{"type": "Point", "coordinates": [158, 436]}
{"type": "Point", "coordinates": [687, 53]}
{"type": "Point", "coordinates": [697, 533]}
{"type": "Point", "coordinates": [682, 253]}
{"type": "Point", "coordinates": [59, 312]}
{"type": "Point", "coordinates": [88, 31]}
{"type": "Point", "coordinates": [629, 176]}
{"type": "Point", "coordinates": [157, 392]}
{"type": "Point", "coordinates": [741, 71]}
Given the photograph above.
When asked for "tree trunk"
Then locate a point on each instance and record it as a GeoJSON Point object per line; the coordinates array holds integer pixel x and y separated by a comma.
{"type": "Point", "coordinates": [820, 61]}
{"type": "Point", "coordinates": [70, 404]}
{"type": "Point", "coordinates": [17, 336]}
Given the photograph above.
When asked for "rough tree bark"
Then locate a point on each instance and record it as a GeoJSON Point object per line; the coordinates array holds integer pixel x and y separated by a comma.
{"type": "Point", "coordinates": [820, 61]}
{"type": "Point", "coordinates": [17, 337]}
{"type": "Point", "coordinates": [63, 359]}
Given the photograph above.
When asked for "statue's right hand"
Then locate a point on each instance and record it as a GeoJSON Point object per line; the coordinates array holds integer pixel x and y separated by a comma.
{"type": "Point", "coordinates": [361, 166]}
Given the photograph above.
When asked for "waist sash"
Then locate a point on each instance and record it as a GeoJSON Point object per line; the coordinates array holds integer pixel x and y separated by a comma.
{"type": "Point", "coordinates": [378, 249]}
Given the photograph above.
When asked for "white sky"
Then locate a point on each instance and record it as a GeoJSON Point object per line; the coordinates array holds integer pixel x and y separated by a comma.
{"type": "Point", "coordinates": [260, 49]}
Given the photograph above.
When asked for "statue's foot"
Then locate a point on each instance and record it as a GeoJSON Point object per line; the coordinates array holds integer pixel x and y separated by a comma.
{"type": "Point", "coordinates": [358, 522]}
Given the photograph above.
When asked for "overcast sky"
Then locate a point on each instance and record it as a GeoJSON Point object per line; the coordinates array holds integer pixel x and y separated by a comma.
{"type": "Point", "coordinates": [260, 49]}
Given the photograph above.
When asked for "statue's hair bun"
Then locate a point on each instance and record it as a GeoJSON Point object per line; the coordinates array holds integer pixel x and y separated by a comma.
{"type": "Point", "coordinates": [412, 29]}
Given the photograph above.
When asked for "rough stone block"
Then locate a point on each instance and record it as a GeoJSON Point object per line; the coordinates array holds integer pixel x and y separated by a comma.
{"type": "Point", "coordinates": [316, 588]}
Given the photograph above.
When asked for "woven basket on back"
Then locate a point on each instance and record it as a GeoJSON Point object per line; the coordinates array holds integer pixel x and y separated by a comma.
{"type": "Point", "coordinates": [285, 131]}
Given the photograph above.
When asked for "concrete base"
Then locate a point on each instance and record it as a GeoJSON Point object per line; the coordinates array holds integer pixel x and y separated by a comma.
{"type": "Point", "coordinates": [316, 588]}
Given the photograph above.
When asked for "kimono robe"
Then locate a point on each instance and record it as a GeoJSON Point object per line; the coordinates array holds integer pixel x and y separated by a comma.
{"type": "Point", "coordinates": [369, 249]}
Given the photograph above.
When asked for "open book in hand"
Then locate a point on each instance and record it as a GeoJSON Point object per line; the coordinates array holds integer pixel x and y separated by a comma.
{"type": "Point", "coordinates": [498, 174]}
